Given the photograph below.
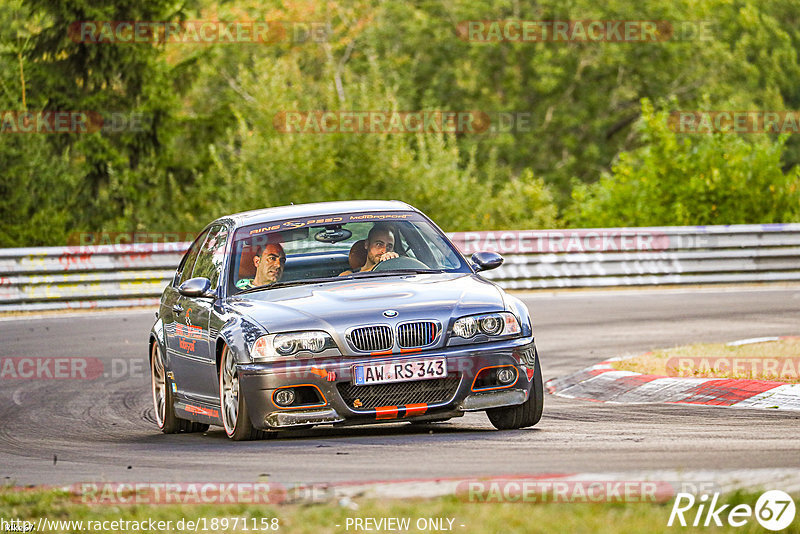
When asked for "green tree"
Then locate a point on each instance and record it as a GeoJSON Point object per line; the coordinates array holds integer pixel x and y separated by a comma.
{"type": "Point", "coordinates": [676, 179]}
{"type": "Point", "coordinates": [209, 146]}
{"type": "Point", "coordinates": [255, 165]}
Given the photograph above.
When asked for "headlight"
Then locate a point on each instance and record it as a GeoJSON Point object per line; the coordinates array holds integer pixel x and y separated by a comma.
{"type": "Point", "coordinates": [278, 346]}
{"type": "Point", "coordinates": [490, 324]}
{"type": "Point", "coordinates": [465, 327]}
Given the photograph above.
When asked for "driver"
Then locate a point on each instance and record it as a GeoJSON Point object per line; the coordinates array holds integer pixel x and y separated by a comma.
{"type": "Point", "coordinates": [379, 246]}
{"type": "Point", "coordinates": [269, 267]}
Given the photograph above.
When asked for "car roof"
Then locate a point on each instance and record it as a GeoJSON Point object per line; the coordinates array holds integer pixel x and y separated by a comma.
{"type": "Point", "coordinates": [315, 210]}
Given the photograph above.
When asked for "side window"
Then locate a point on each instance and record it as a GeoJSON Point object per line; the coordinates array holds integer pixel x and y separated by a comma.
{"type": "Point", "coordinates": [212, 256]}
{"type": "Point", "coordinates": [442, 253]}
{"type": "Point", "coordinates": [188, 260]}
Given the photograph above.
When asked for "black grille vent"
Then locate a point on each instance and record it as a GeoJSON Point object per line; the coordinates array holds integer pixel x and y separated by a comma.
{"type": "Point", "coordinates": [420, 334]}
{"type": "Point", "coordinates": [433, 391]}
{"type": "Point", "coordinates": [372, 338]}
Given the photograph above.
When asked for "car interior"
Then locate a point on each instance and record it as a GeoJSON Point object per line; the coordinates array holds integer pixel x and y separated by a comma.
{"type": "Point", "coordinates": [327, 251]}
{"type": "Point", "coordinates": [309, 265]}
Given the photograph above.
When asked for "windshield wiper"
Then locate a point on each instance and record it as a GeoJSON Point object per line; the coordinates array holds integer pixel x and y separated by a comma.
{"type": "Point", "coordinates": [367, 274]}
{"type": "Point", "coordinates": [351, 276]}
{"type": "Point", "coordinates": [289, 283]}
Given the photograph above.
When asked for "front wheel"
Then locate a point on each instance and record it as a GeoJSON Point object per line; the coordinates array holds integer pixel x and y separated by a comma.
{"type": "Point", "coordinates": [233, 406]}
{"type": "Point", "coordinates": [522, 415]}
{"type": "Point", "coordinates": [163, 402]}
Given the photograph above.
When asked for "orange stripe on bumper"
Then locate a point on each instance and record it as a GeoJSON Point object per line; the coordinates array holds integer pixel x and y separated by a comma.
{"type": "Point", "coordinates": [416, 409]}
{"type": "Point", "coordinates": [386, 412]}
{"type": "Point", "coordinates": [406, 351]}
{"type": "Point", "coordinates": [380, 353]}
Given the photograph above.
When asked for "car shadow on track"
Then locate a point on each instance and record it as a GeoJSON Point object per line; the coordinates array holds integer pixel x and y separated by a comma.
{"type": "Point", "coordinates": [367, 431]}
{"type": "Point", "coordinates": [365, 435]}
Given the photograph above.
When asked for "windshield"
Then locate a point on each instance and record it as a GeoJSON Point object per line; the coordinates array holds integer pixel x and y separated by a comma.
{"type": "Point", "coordinates": [352, 245]}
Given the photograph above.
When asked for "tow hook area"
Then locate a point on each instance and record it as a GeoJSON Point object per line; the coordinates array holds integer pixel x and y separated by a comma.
{"type": "Point", "coordinates": [493, 399]}
{"type": "Point", "coordinates": [298, 418]}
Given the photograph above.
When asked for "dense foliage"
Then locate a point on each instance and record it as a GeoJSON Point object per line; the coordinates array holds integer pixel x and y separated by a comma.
{"type": "Point", "coordinates": [594, 148]}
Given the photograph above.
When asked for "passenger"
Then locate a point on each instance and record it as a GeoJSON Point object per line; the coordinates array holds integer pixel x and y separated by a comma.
{"type": "Point", "coordinates": [379, 246]}
{"type": "Point", "coordinates": [269, 267]}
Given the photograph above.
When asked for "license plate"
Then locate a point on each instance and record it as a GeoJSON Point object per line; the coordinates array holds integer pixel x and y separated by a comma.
{"type": "Point", "coordinates": [383, 373]}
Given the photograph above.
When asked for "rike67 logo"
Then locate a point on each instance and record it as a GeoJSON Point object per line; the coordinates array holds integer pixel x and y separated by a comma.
{"type": "Point", "coordinates": [774, 510]}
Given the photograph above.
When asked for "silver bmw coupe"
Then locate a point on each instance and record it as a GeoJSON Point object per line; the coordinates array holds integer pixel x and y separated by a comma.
{"type": "Point", "coordinates": [337, 313]}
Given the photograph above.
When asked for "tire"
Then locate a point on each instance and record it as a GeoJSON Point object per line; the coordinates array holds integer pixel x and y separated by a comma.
{"type": "Point", "coordinates": [522, 415]}
{"type": "Point", "coordinates": [163, 401]}
{"type": "Point", "coordinates": [232, 404]}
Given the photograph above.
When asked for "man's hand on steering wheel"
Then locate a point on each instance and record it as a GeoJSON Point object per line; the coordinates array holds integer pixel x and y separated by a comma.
{"type": "Point", "coordinates": [388, 256]}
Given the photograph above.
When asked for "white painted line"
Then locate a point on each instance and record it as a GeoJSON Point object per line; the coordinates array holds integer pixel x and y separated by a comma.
{"type": "Point", "coordinates": [752, 340]}
{"type": "Point", "coordinates": [698, 481]}
{"type": "Point", "coordinates": [577, 292]}
{"type": "Point", "coordinates": [97, 313]}
{"type": "Point", "coordinates": [786, 397]}
{"type": "Point", "coordinates": [611, 387]}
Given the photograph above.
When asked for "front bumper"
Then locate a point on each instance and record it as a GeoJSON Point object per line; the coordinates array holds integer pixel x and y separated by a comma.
{"type": "Point", "coordinates": [258, 382]}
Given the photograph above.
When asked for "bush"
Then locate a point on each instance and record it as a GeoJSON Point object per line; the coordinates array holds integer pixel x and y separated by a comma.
{"type": "Point", "coordinates": [257, 166]}
{"type": "Point", "coordinates": [690, 180]}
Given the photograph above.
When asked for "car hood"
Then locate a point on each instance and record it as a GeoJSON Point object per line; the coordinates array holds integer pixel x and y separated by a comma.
{"type": "Point", "coordinates": [336, 306]}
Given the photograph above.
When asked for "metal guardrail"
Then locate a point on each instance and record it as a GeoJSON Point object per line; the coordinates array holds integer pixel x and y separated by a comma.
{"type": "Point", "coordinates": [134, 275]}
{"type": "Point", "coordinates": [47, 278]}
{"type": "Point", "coordinates": [641, 256]}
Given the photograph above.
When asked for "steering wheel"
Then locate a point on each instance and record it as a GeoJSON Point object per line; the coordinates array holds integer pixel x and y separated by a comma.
{"type": "Point", "coordinates": [401, 262]}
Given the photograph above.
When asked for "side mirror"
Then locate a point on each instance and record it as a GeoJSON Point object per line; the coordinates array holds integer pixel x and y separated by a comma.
{"type": "Point", "coordinates": [197, 287]}
{"type": "Point", "coordinates": [485, 261]}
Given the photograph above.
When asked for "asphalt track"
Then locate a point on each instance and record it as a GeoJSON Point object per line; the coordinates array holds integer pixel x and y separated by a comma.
{"type": "Point", "coordinates": [66, 431]}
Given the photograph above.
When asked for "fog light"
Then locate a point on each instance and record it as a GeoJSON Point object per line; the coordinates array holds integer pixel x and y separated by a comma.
{"type": "Point", "coordinates": [505, 375]}
{"type": "Point", "coordinates": [284, 397]}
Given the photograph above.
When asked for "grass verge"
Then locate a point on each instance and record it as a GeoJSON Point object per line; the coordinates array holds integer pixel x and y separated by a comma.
{"type": "Point", "coordinates": [482, 518]}
{"type": "Point", "coordinates": [777, 360]}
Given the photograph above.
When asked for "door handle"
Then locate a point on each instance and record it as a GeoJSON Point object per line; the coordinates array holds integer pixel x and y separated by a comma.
{"type": "Point", "coordinates": [177, 308]}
